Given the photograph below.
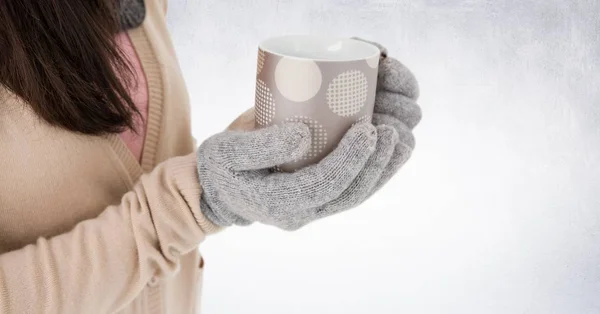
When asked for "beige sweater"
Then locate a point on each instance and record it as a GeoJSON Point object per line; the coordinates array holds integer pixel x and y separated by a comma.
{"type": "Point", "coordinates": [82, 228]}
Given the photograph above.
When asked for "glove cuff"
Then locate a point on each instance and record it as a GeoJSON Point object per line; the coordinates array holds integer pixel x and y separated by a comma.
{"type": "Point", "coordinates": [209, 214]}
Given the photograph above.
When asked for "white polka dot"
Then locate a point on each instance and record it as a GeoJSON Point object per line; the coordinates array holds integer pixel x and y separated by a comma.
{"type": "Point", "coordinates": [373, 62]}
{"type": "Point", "coordinates": [298, 80]}
{"type": "Point", "coordinates": [261, 61]}
{"type": "Point", "coordinates": [363, 119]}
{"type": "Point", "coordinates": [347, 93]}
{"type": "Point", "coordinates": [318, 135]}
{"type": "Point", "coordinates": [264, 105]}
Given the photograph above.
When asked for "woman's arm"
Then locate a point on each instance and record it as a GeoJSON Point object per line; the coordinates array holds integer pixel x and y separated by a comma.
{"type": "Point", "coordinates": [104, 263]}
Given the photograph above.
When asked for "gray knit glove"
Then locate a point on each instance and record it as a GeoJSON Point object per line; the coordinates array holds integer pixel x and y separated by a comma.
{"type": "Point", "coordinates": [395, 105]}
{"type": "Point", "coordinates": [238, 187]}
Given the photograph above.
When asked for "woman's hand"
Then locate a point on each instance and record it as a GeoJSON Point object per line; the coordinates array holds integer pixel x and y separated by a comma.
{"type": "Point", "coordinates": [239, 188]}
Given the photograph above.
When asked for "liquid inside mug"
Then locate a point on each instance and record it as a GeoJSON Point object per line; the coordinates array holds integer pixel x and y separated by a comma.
{"type": "Point", "coordinates": [327, 83]}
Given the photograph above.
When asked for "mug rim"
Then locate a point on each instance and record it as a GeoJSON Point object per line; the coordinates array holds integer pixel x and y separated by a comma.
{"type": "Point", "coordinates": [266, 46]}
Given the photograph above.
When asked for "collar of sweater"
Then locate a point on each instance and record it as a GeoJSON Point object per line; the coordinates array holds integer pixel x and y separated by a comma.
{"type": "Point", "coordinates": [131, 13]}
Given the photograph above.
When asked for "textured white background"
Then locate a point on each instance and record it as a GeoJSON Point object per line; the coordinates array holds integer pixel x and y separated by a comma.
{"type": "Point", "coordinates": [498, 209]}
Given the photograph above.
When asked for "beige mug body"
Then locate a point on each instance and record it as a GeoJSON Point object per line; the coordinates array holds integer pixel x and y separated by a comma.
{"type": "Point", "coordinates": [327, 83]}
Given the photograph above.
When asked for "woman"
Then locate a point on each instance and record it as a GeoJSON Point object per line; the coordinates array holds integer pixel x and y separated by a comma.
{"type": "Point", "coordinates": [103, 200]}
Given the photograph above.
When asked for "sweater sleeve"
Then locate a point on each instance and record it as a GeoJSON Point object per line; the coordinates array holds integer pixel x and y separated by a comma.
{"type": "Point", "coordinates": [103, 263]}
{"type": "Point", "coordinates": [164, 4]}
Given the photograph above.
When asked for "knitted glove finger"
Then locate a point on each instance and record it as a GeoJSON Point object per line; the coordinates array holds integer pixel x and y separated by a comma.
{"type": "Point", "coordinates": [361, 188]}
{"type": "Point", "coordinates": [393, 76]}
{"type": "Point", "coordinates": [398, 106]}
{"type": "Point", "coordinates": [405, 135]}
{"type": "Point", "coordinates": [402, 150]}
{"type": "Point", "coordinates": [259, 149]}
{"type": "Point", "coordinates": [318, 184]}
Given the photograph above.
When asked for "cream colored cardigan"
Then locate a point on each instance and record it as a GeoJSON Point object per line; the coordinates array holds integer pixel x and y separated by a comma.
{"type": "Point", "coordinates": [83, 227]}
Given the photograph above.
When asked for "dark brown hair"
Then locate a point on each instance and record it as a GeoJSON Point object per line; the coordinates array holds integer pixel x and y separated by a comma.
{"type": "Point", "coordinates": [61, 58]}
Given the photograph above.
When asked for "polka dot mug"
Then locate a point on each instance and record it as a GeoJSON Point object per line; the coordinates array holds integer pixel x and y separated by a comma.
{"type": "Point", "coordinates": [327, 83]}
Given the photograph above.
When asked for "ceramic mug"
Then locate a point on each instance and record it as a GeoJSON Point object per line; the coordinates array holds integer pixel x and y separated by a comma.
{"type": "Point", "coordinates": [327, 83]}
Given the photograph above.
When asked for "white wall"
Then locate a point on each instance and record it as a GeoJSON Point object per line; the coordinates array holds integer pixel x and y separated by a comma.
{"type": "Point", "coordinates": [498, 210]}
